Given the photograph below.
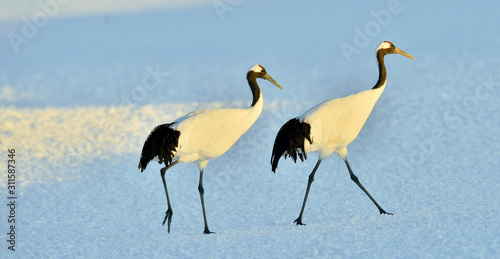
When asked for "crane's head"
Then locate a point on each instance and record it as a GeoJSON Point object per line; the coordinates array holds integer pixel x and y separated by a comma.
{"type": "Point", "coordinates": [387, 47]}
{"type": "Point", "coordinates": [260, 72]}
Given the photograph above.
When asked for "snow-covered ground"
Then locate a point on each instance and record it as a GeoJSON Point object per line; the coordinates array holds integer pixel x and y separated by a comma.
{"type": "Point", "coordinates": [80, 91]}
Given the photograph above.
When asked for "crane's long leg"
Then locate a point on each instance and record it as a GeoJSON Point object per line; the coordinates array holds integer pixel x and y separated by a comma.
{"type": "Point", "coordinates": [168, 213]}
{"type": "Point", "coordinates": [202, 191]}
{"type": "Point", "coordinates": [356, 180]}
{"type": "Point", "coordinates": [298, 221]}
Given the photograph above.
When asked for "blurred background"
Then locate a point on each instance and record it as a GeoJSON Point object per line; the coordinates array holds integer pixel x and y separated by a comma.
{"type": "Point", "coordinates": [70, 52]}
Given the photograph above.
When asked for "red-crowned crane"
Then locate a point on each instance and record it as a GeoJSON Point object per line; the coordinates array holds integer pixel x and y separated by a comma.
{"type": "Point", "coordinates": [202, 135]}
{"type": "Point", "coordinates": [329, 127]}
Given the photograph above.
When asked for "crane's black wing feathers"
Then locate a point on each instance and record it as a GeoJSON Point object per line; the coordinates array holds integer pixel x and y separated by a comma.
{"type": "Point", "coordinates": [290, 141]}
{"type": "Point", "coordinates": [162, 143]}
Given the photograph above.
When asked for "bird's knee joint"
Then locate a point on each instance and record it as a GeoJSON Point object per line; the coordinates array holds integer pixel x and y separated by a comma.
{"type": "Point", "coordinates": [311, 178]}
{"type": "Point", "coordinates": [200, 189]}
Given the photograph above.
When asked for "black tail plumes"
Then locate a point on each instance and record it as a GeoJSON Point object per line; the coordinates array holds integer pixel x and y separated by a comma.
{"type": "Point", "coordinates": [290, 141]}
{"type": "Point", "coordinates": [161, 143]}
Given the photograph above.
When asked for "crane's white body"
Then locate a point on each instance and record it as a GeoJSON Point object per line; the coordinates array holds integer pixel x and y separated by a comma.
{"type": "Point", "coordinates": [336, 123]}
{"type": "Point", "coordinates": [208, 134]}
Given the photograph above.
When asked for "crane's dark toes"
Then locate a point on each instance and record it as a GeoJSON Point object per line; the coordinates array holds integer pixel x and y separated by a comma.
{"type": "Point", "coordinates": [385, 212]}
{"type": "Point", "coordinates": [207, 232]}
{"type": "Point", "coordinates": [168, 216]}
{"type": "Point", "coordinates": [298, 221]}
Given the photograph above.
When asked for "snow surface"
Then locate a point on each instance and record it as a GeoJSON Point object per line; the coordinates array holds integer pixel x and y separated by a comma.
{"type": "Point", "coordinates": [78, 98]}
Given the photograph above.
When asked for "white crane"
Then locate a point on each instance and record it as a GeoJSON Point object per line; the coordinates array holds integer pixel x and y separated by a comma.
{"type": "Point", "coordinates": [202, 135]}
{"type": "Point", "coordinates": [330, 126]}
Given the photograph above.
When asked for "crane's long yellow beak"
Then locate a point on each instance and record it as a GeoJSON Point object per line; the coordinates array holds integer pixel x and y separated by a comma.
{"type": "Point", "coordinates": [405, 54]}
{"type": "Point", "coordinates": [268, 77]}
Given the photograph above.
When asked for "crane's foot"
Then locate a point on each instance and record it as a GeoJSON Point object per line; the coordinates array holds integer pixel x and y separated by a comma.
{"type": "Point", "coordinates": [385, 212]}
{"type": "Point", "coordinates": [207, 231]}
{"type": "Point", "coordinates": [168, 218]}
{"type": "Point", "coordinates": [298, 221]}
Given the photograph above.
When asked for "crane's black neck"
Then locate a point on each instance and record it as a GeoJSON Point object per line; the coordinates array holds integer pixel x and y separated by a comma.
{"type": "Point", "coordinates": [254, 87]}
{"type": "Point", "coordinates": [382, 73]}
